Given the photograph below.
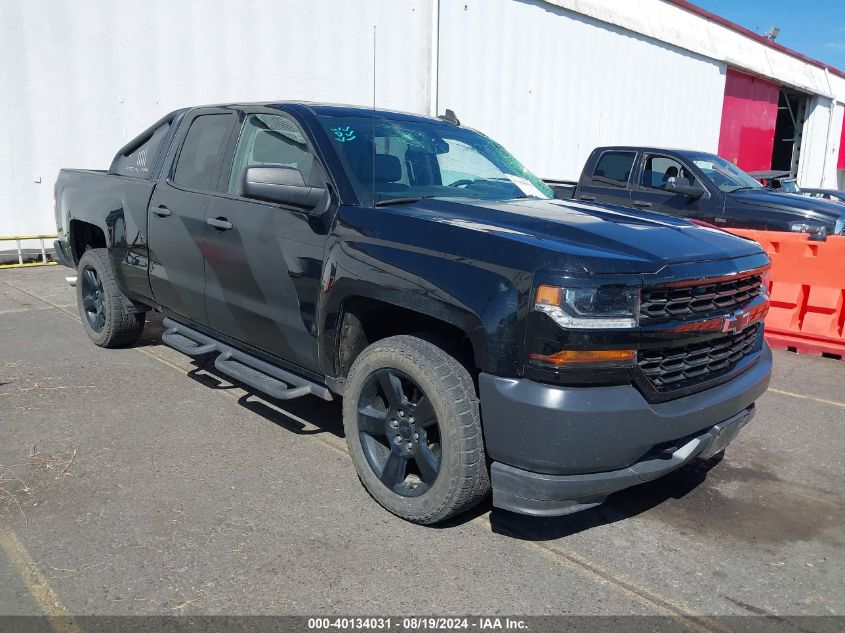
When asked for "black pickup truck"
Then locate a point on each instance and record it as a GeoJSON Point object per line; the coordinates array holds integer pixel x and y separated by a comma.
{"type": "Point", "coordinates": [698, 186]}
{"type": "Point", "coordinates": [481, 333]}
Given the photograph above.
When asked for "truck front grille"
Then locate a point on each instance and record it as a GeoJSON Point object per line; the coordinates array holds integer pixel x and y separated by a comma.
{"type": "Point", "coordinates": [666, 303]}
{"type": "Point", "coordinates": [673, 368]}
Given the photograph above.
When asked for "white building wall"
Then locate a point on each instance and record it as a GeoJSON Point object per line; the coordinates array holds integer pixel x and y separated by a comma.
{"type": "Point", "coordinates": [674, 25]}
{"type": "Point", "coordinates": [78, 78]}
{"type": "Point", "coordinates": [551, 84]}
{"type": "Point", "coordinates": [829, 178]}
{"type": "Point", "coordinates": [550, 79]}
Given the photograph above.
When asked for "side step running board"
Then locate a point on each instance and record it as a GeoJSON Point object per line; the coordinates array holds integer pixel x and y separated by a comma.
{"type": "Point", "coordinates": [251, 371]}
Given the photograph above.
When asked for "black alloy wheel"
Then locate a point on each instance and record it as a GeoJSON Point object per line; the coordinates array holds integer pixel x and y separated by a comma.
{"type": "Point", "coordinates": [93, 299]}
{"type": "Point", "coordinates": [413, 428]}
{"type": "Point", "coordinates": [399, 432]}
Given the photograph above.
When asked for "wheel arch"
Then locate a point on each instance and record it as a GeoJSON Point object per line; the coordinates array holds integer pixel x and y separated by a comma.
{"type": "Point", "coordinates": [82, 235]}
{"type": "Point", "coordinates": [364, 318]}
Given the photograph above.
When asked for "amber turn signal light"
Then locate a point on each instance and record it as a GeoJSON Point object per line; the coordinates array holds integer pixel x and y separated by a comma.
{"type": "Point", "coordinates": [547, 296]}
{"type": "Point", "coordinates": [566, 357]}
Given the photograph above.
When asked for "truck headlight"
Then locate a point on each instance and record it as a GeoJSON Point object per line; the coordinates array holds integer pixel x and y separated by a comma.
{"type": "Point", "coordinates": [601, 307]}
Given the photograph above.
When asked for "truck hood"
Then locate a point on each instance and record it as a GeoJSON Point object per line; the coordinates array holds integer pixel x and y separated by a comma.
{"type": "Point", "coordinates": [592, 238]}
{"type": "Point", "coordinates": [807, 207]}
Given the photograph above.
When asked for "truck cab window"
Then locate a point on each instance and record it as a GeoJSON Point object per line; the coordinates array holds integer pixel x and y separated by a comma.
{"type": "Point", "coordinates": [657, 170]}
{"type": "Point", "coordinates": [270, 140]}
{"type": "Point", "coordinates": [614, 169]}
{"type": "Point", "coordinates": [198, 165]}
{"type": "Point", "coordinates": [139, 163]}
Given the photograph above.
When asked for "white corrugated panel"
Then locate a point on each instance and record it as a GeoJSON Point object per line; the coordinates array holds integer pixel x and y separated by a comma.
{"type": "Point", "coordinates": [551, 84]}
{"type": "Point", "coordinates": [675, 25]}
{"type": "Point", "coordinates": [829, 178]}
{"type": "Point", "coordinates": [816, 142]}
{"type": "Point", "coordinates": [80, 78]}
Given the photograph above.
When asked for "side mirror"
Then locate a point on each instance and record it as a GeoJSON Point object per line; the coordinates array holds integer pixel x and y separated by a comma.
{"type": "Point", "coordinates": [684, 188]}
{"type": "Point", "coordinates": [284, 185]}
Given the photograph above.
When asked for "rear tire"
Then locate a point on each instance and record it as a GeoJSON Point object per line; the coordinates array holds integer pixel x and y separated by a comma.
{"type": "Point", "coordinates": [412, 424]}
{"type": "Point", "coordinates": [109, 318]}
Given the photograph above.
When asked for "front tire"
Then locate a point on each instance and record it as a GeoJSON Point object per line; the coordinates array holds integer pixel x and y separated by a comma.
{"type": "Point", "coordinates": [109, 318]}
{"type": "Point", "coordinates": [412, 424]}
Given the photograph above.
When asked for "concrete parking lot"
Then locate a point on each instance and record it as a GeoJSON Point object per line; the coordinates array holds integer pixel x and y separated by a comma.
{"type": "Point", "coordinates": [138, 481]}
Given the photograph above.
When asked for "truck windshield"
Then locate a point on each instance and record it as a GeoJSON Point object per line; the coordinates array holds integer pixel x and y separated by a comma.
{"type": "Point", "coordinates": [726, 176]}
{"type": "Point", "coordinates": [402, 160]}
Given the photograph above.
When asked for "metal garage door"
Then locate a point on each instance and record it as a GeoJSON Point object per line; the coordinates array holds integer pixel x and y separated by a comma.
{"type": "Point", "coordinates": [749, 114]}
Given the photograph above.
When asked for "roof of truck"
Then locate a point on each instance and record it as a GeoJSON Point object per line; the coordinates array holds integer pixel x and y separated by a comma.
{"type": "Point", "coordinates": [647, 148]}
{"type": "Point", "coordinates": [329, 109]}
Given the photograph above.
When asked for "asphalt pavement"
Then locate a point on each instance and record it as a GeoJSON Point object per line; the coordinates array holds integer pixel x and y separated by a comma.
{"type": "Point", "coordinates": [138, 481]}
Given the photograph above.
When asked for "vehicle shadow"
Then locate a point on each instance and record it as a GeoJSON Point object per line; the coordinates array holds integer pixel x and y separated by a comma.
{"type": "Point", "coordinates": [313, 416]}
{"type": "Point", "coordinates": [302, 416]}
{"type": "Point", "coordinates": [619, 506]}
{"type": "Point", "coordinates": [153, 329]}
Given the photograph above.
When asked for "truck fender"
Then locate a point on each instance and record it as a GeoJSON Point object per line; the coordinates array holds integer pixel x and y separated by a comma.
{"type": "Point", "coordinates": [479, 301]}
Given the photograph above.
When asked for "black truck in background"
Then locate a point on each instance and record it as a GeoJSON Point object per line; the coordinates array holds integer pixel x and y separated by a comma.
{"type": "Point", "coordinates": [481, 333]}
{"type": "Point", "coordinates": [697, 186]}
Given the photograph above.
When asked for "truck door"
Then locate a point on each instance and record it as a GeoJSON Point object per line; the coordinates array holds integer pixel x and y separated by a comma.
{"type": "Point", "coordinates": [650, 191]}
{"type": "Point", "coordinates": [176, 222]}
{"type": "Point", "coordinates": [264, 260]}
{"type": "Point", "coordinates": [609, 178]}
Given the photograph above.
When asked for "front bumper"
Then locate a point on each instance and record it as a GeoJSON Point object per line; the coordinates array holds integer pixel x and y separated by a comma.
{"type": "Point", "coordinates": [558, 450]}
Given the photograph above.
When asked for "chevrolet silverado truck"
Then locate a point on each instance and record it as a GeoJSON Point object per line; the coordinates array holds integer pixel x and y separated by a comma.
{"type": "Point", "coordinates": [481, 333]}
{"type": "Point", "coordinates": [698, 186]}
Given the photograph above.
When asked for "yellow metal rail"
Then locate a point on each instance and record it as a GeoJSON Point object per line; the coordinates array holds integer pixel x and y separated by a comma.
{"type": "Point", "coordinates": [17, 239]}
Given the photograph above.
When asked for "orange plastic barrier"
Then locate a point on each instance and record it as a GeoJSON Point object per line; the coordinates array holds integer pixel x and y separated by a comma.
{"type": "Point", "coordinates": [807, 291]}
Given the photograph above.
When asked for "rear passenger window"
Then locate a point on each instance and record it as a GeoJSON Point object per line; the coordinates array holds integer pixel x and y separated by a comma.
{"type": "Point", "coordinates": [613, 168]}
{"type": "Point", "coordinates": [139, 163]}
{"type": "Point", "coordinates": [199, 161]}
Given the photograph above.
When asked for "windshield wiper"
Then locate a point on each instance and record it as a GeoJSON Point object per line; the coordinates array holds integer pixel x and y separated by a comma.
{"type": "Point", "coordinates": [747, 188]}
{"type": "Point", "coordinates": [408, 200]}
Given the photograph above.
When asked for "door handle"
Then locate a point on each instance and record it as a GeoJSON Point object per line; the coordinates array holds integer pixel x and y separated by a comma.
{"type": "Point", "coordinates": [587, 198]}
{"type": "Point", "coordinates": [162, 211]}
{"type": "Point", "coordinates": [641, 203]}
{"type": "Point", "coordinates": [221, 224]}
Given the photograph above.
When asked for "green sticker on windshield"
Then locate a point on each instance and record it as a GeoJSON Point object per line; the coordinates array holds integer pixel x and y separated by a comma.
{"type": "Point", "coordinates": [343, 134]}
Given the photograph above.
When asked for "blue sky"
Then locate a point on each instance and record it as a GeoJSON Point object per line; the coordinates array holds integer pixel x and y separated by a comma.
{"type": "Point", "coordinates": [812, 27]}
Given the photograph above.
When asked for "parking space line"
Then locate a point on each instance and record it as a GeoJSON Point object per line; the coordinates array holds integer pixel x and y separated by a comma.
{"type": "Point", "coordinates": [659, 603]}
{"type": "Point", "coordinates": [802, 396]}
{"type": "Point", "coordinates": [36, 583]}
{"type": "Point", "coordinates": [43, 300]}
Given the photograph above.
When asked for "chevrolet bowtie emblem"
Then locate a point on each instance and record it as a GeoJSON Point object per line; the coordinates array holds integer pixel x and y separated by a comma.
{"type": "Point", "coordinates": [737, 321]}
